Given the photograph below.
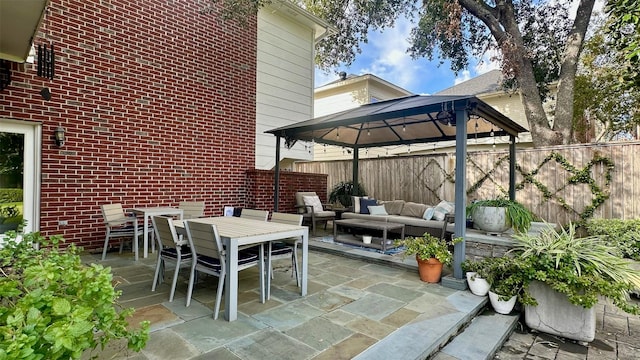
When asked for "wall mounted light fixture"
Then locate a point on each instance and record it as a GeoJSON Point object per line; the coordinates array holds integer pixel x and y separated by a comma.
{"type": "Point", "coordinates": [59, 136]}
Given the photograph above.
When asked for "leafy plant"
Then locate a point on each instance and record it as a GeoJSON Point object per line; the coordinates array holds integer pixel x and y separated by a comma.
{"type": "Point", "coordinates": [343, 191]}
{"type": "Point", "coordinates": [518, 216]}
{"type": "Point", "coordinates": [504, 274]}
{"type": "Point", "coordinates": [624, 235]}
{"type": "Point", "coordinates": [54, 307]}
{"type": "Point", "coordinates": [427, 246]}
{"type": "Point", "coordinates": [582, 268]}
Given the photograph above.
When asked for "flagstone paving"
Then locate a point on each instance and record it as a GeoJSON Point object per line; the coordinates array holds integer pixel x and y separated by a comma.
{"type": "Point", "coordinates": [359, 305]}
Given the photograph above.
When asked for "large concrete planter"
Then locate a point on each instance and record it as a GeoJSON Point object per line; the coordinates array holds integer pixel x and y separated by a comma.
{"type": "Point", "coordinates": [556, 315]}
{"type": "Point", "coordinates": [491, 219]}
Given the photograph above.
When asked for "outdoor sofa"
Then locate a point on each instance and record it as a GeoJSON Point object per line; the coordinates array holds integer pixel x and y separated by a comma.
{"type": "Point", "coordinates": [417, 218]}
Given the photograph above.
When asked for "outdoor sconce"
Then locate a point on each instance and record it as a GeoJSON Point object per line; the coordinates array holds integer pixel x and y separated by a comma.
{"type": "Point", "coordinates": [59, 136]}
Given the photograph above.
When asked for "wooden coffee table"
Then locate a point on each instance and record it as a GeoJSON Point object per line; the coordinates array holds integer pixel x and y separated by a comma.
{"type": "Point", "coordinates": [376, 226]}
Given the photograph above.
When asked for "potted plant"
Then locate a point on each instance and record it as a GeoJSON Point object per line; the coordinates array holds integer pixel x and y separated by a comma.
{"type": "Point", "coordinates": [53, 306]}
{"type": "Point", "coordinates": [343, 191]}
{"type": "Point", "coordinates": [431, 253]}
{"type": "Point", "coordinates": [564, 276]}
{"type": "Point", "coordinates": [505, 276]}
{"type": "Point", "coordinates": [499, 215]}
{"type": "Point", "coordinates": [476, 277]}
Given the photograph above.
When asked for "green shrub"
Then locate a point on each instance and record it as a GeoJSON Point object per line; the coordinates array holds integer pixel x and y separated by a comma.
{"type": "Point", "coordinates": [623, 234]}
{"type": "Point", "coordinates": [54, 307]}
{"type": "Point", "coordinates": [10, 195]}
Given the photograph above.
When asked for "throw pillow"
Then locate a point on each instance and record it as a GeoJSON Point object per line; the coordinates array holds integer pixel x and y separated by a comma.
{"type": "Point", "coordinates": [442, 209]}
{"type": "Point", "coordinates": [412, 209]}
{"type": "Point", "coordinates": [355, 200]}
{"type": "Point", "coordinates": [377, 210]}
{"type": "Point", "coordinates": [428, 214]}
{"type": "Point", "coordinates": [365, 203]}
{"type": "Point", "coordinates": [313, 201]}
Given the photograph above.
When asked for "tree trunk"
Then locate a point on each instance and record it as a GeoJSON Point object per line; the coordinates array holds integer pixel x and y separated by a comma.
{"type": "Point", "coordinates": [564, 104]}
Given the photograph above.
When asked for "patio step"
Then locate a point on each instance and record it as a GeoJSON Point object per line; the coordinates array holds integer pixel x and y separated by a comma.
{"type": "Point", "coordinates": [481, 339]}
{"type": "Point", "coordinates": [423, 338]}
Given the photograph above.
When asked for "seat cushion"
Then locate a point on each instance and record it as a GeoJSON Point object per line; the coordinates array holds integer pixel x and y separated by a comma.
{"type": "Point", "coordinates": [412, 209]}
{"type": "Point", "coordinates": [172, 253]}
{"type": "Point", "coordinates": [278, 248]}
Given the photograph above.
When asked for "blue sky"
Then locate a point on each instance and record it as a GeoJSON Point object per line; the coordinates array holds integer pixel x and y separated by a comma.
{"type": "Point", "coordinates": [385, 55]}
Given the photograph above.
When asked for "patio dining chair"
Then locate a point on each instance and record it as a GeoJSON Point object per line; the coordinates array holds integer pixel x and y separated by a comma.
{"type": "Point", "coordinates": [309, 205]}
{"type": "Point", "coordinates": [170, 248]}
{"type": "Point", "coordinates": [287, 248]}
{"type": "Point", "coordinates": [209, 257]}
{"type": "Point", "coordinates": [260, 215]}
{"type": "Point", "coordinates": [192, 209]}
{"type": "Point", "coordinates": [119, 224]}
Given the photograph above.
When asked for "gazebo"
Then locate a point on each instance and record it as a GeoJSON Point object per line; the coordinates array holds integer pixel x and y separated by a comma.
{"type": "Point", "coordinates": [410, 120]}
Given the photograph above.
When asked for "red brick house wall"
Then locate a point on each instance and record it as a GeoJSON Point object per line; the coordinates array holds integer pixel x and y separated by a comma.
{"type": "Point", "coordinates": [158, 104]}
{"type": "Point", "coordinates": [260, 185]}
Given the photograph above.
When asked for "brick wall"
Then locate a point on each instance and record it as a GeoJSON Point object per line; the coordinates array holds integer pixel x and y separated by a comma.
{"type": "Point", "coordinates": [158, 103]}
{"type": "Point", "coordinates": [260, 188]}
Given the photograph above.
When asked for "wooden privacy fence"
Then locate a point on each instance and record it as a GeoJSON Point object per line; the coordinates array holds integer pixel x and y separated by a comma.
{"type": "Point", "coordinates": [559, 184]}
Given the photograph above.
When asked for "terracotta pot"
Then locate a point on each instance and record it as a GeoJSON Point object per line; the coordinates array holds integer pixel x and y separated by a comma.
{"type": "Point", "coordinates": [430, 270]}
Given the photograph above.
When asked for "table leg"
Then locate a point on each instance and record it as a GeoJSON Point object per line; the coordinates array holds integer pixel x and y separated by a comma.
{"type": "Point", "coordinates": [135, 238]}
{"type": "Point", "coordinates": [305, 261]}
{"type": "Point", "coordinates": [145, 235]}
{"type": "Point", "coordinates": [231, 281]}
{"type": "Point", "coordinates": [268, 271]}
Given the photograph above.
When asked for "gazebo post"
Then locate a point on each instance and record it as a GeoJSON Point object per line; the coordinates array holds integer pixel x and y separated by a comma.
{"type": "Point", "coordinates": [512, 167]}
{"type": "Point", "coordinates": [276, 185]}
{"type": "Point", "coordinates": [460, 192]}
{"type": "Point", "coordinates": [356, 158]}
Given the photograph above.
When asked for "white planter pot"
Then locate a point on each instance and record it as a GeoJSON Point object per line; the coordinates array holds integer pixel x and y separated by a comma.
{"type": "Point", "coordinates": [477, 285]}
{"type": "Point", "coordinates": [366, 239]}
{"type": "Point", "coordinates": [493, 220]}
{"type": "Point", "coordinates": [501, 306]}
{"type": "Point", "coordinates": [557, 316]}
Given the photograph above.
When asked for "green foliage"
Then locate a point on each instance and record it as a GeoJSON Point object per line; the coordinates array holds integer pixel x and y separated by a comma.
{"type": "Point", "coordinates": [624, 30]}
{"type": "Point", "coordinates": [343, 191]}
{"type": "Point", "coordinates": [10, 195]}
{"type": "Point", "coordinates": [504, 274]}
{"type": "Point", "coordinates": [10, 214]}
{"type": "Point", "coordinates": [624, 235]}
{"type": "Point", "coordinates": [582, 268]}
{"type": "Point", "coordinates": [54, 307]}
{"type": "Point", "coordinates": [427, 246]}
{"type": "Point", "coordinates": [518, 216]}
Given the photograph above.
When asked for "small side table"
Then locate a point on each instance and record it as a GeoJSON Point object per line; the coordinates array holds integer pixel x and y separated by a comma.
{"type": "Point", "coordinates": [339, 212]}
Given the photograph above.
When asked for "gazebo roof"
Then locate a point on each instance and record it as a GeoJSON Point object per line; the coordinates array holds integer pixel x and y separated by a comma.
{"type": "Point", "coordinates": [406, 120]}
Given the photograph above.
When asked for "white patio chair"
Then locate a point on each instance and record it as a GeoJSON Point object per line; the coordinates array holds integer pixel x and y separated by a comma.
{"type": "Point", "coordinates": [286, 248]}
{"type": "Point", "coordinates": [209, 257]}
{"type": "Point", "coordinates": [170, 248]}
{"type": "Point", "coordinates": [260, 215]}
{"type": "Point", "coordinates": [192, 209]}
{"type": "Point", "coordinates": [119, 225]}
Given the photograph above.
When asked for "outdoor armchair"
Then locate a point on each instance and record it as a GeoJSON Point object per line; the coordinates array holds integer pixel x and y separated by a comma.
{"type": "Point", "coordinates": [119, 224]}
{"type": "Point", "coordinates": [286, 248]}
{"type": "Point", "coordinates": [192, 209]}
{"type": "Point", "coordinates": [313, 211]}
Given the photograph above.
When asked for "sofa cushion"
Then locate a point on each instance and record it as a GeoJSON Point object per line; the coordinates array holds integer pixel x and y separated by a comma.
{"type": "Point", "coordinates": [413, 209]}
{"type": "Point", "coordinates": [413, 221]}
{"type": "Point", "coordinates": [394, 207]}
{"type": "Point", "coordinates": [365, 203]}
{"type": "Point", "coordinates": [350, 215]}
{"type": "Point", "coordinates": [428, 214]}
{"type": "Point", "coordinates": [442, 209]}
{"type": "Point", "coordinates": [377, 210]}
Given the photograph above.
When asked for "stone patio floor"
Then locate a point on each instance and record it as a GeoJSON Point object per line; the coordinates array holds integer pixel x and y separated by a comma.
{"type": "Point", "coordinates": [352, 303]}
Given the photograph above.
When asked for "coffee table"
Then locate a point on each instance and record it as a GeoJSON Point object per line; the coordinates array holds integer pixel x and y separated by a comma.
{"type": "Point", "coordinates": [378, 226]}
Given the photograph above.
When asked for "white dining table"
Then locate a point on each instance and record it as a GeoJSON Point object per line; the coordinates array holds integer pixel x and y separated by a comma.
{"type": "Point", "coordinates": [236, 232]}
{"type": "Point", "coordinates": [147, 213]}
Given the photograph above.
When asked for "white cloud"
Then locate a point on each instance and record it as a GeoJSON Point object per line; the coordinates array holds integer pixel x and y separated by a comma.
{"type": "Point", "coordinates": [462, 77]}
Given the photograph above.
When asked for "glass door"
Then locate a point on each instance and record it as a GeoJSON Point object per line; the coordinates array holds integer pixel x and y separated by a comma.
{"type": "Point", "coordinates": [19, 175]}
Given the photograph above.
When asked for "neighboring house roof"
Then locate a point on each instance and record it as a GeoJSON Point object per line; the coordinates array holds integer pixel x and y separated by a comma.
{"type": "Point", "coordinates": [489, 82]}
{"type": "Point", "coordinates": [352, 78]}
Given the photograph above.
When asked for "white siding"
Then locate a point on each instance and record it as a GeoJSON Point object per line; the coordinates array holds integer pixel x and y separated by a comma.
{"type": "Point", "coordinates": [284, 88]}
